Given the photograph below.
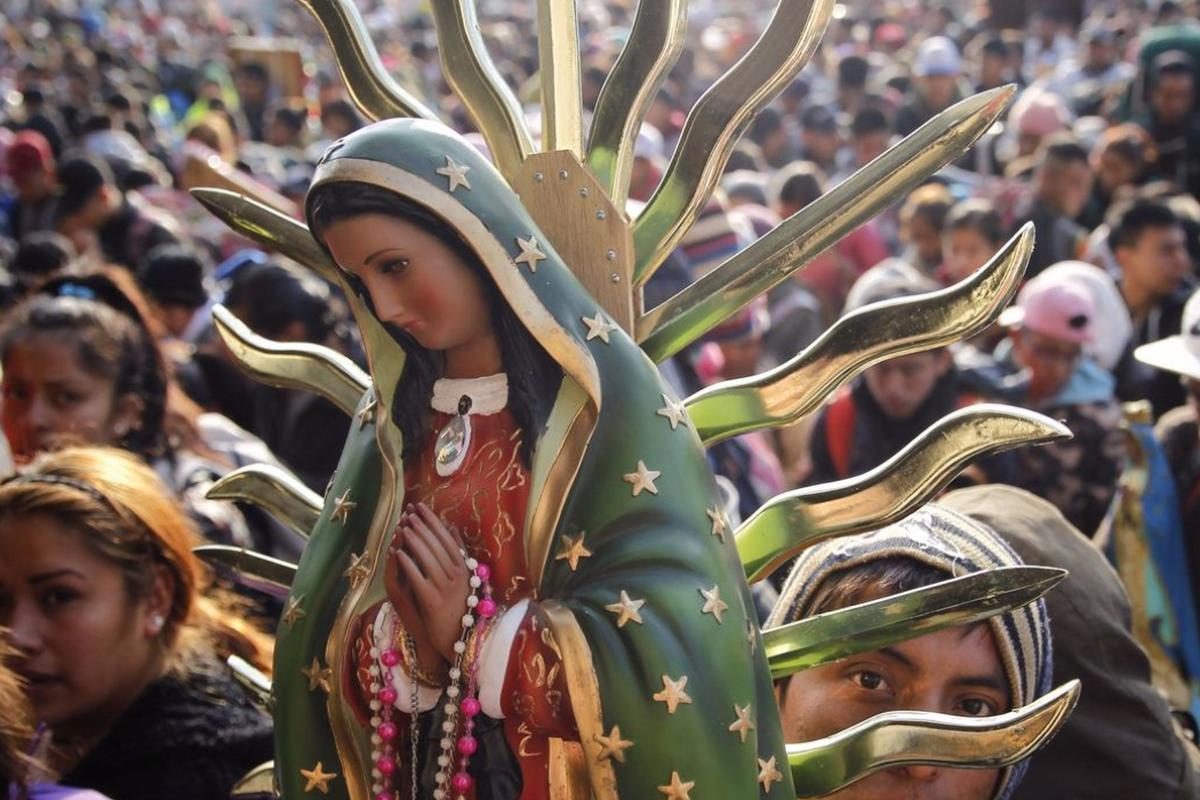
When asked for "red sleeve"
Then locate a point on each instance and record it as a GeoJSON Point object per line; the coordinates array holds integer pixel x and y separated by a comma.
{"type": "Point", "coordinates": [535, 690]}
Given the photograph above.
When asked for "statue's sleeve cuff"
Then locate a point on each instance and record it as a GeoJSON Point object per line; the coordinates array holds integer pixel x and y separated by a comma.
{"type": "Point", "coordinates": [427, 697]}
{"type": "Point", "coordinates": [494, 659]}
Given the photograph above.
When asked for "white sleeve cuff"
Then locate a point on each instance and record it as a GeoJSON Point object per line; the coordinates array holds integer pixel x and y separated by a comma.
{"type": "Point", "coordinates": [493, 661]}
{"type": "Point", "coordinates": [427, 696]}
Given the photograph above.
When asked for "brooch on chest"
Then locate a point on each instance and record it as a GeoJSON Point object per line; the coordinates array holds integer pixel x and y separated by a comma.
{"type": "Point", "coordinates": [454, 440]}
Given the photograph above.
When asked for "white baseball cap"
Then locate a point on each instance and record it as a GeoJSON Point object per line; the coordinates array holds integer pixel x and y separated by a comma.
{"type": "Point", "coordinates": [937, 56]}
{"type": "Point", "coordinates": [1179, 354]}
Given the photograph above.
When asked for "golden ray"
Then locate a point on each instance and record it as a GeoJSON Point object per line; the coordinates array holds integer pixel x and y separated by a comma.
{"type": "Point", "coordinates": [671, 326]}
{"type": "Point", "coordinates": [294, 365]}
{"type": "Point", "coordinates": [869, 626]}
{"type": "Point", "coordinates": [260, 223]}
{"type": "Point", "coordinates": [897, 738]}
{"type": "Point", "coordinates": [716, 123]}
{"type": "Point", "coordinates": [257, 784]}
{"type": "Point", "coordinates": [472, 76]}
{"type": "Point", "coordinates": [562, 85]}
{"type": "Point", "coordinates": [250, 678]}
{"type": "Point", "coordinates": [254, 570]}
{"type": "Point", "coordinates": [371, 88]}
{"type": "Point", "coordinates": [896, 488]}
{"type": "Point", "coordinates": [857, 341]}
{"type": "Point", "coordinates": [654, 44]}
{"type": "Point", "coordinates": [275, 490]}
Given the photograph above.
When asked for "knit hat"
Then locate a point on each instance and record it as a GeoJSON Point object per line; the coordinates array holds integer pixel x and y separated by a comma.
{"type": "Point", "coordinates": [945, 540]}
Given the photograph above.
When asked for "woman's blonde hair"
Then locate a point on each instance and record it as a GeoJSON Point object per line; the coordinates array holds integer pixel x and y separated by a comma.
{"type": "Point", "coordinates": [127, 516]}
{"type": "Point", "coordinates": [16, 732]}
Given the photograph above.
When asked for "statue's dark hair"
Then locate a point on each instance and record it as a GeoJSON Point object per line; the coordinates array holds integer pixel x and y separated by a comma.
{"type": "Point", "coordinates": [533, 376]}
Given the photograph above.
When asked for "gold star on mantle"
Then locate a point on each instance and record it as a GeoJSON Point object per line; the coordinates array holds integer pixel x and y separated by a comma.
{"type": "Point", "coordinates": [317, 778]}
{"type": "Point", "coordinates": [743, 726]}
{"type": "Point", "coordinates": [612, 746]}
{"type": "Point", "coordinates": [672, 693]}
{"type": "Point", "coordinates": [720, 522]}
{"type": "Point", "coordinates": [643, 479]}
{"type": "Point", "coordinates": [342, 507]}
{"type": "Point", "coordinates": [359, 569]}
{"type": "Point", "coordinates": [626, 609]}
{"type": "Point", "coordinates": [751, 637]}
{"type": "Point", "coordinates": [456, 173]}
{"type": "Point", "coordinates": [572, 550]}
{"type": "Point", "coordinates": [713, 604]}
{"type": "Point", "coordinates": [674, 412]}
{"type": "Point", "coordinates": [598, 327]}
{"type": "Point", "coordinates": [530, 253]}
{"type": "Point", "coordinates": [677, 789]}
{"type": "Point", "coordinates": [293, 611]}
{"type": "Point", "coordinates": [768, 774]}
{"type": "Point", "coordinates": [366, 414]}
{"type": "Point", "coordinates": [317, 677]}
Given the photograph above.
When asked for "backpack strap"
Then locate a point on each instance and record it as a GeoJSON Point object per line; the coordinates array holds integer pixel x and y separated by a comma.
{"type": "Point", "coordinates": [839, 431]}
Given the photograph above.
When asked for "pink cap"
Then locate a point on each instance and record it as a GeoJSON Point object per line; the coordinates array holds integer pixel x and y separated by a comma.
{"type": "Point", "coordinates": [1056, 309]}
{"type": "Point", "coordinates": [1041, 115]}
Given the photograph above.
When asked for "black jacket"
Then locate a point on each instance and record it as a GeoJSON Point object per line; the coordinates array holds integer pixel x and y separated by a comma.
{"type": "Point", "coordinates": [1058, 238]}
{"type": "Point", "coordinates": [1163, 389]}
{"type": "Point", "coordinates": [183, 739]}
{"type": "Point", "coordinates": [877, 437]}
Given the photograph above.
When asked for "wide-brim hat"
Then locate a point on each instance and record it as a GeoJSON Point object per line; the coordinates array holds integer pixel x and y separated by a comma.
{"type": "Point", "coordinates": [1180, 353]}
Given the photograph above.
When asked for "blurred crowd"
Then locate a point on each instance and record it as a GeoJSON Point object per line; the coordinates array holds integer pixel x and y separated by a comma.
{"type": "Point", "coordinates": [109, 271]}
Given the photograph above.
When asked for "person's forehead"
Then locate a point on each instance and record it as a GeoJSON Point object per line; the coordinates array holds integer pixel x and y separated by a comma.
{"type": "Point", "coordinates": [1045, 342]}
{"type": "Point", "coordinates": [1158, 234]}
{"type": "Point", "coordinates": [1175, 80]}
{"type": "Point", "coordinates": [910, 361]}
{"type": "Point", "coordinates": [40, 544]}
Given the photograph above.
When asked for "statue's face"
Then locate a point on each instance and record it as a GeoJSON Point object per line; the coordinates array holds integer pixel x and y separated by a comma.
{"type": "Point", "coordinates": [955, 671]}
{"type": "Point", "coordinates": [414, 280]}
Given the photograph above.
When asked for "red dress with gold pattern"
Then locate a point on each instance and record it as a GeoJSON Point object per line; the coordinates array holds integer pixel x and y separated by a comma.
{"type": "Point", "coordinates": [485, 500]}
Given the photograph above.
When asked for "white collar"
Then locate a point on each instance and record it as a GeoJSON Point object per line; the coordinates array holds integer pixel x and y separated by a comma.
{"type": "Point", "coordinates": [489, 395]}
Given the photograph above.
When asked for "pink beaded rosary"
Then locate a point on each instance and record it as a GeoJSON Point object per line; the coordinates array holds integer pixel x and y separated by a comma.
{"type": "Point", "coordinates": [384, 697]}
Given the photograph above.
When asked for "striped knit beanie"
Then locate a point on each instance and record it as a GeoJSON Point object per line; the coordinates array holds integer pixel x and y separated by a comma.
{"type": "Point", "coordinates": [959, 546]}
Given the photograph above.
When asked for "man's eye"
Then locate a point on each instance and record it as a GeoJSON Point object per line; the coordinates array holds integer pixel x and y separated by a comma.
{"type": "Point", "coordinates": [868, 680]}
{"type": "Point", "coordinates": [976, 707]}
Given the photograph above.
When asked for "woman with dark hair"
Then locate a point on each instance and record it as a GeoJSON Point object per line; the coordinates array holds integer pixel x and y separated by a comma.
{"type": "Point", "coordinates": [81, 366]}
{"type": "Point", "coordinates": [119, 636]}
{"type": "Point", "coordinates": [972, 234]}
{"type": "Point", "coordinates": [1121, 160]}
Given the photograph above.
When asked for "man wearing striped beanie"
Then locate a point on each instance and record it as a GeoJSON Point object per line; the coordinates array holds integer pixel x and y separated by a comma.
{"type": "Point", "coordinates": [972, 670]}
